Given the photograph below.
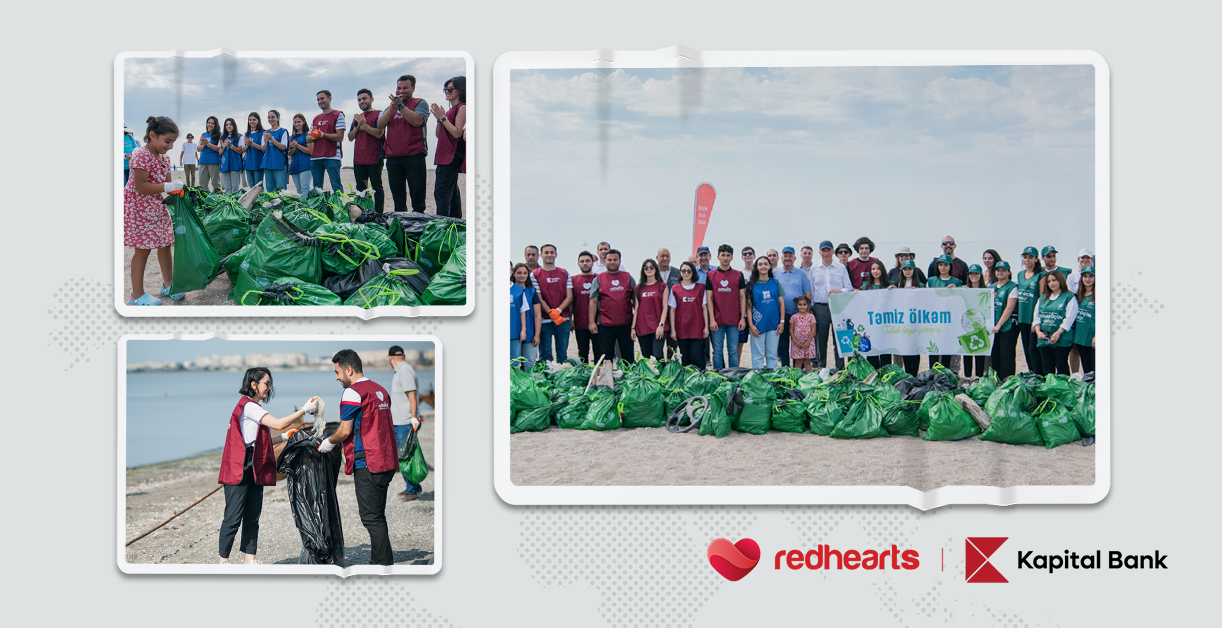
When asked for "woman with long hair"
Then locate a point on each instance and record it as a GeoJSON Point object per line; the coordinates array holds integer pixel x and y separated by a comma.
{"type": "Point", "coordinates": [1028, 281]}
{"type": "Point", "coordinates": [1052, 321]}
{"type": "Point", "coordinates": [451, 157]}
{"type": "Point", "coordinates": [256, 145]}
{"type": "Point", "coordinates": [1084, 325]}
{"type": "Point", "coordinates": [1005, 316]}
{"type": "Point", "coordinates": [877, 278]}
{"type": "Point", "coordinates": [990, 259]}
{"type": "Point", "coordinates": [943, 279]}
{"type": "Point", "coordinates": [248, 462]}
{"type": "Point", "coordinates": [649, 312]}
{"type": "Point", "coordinates": [210, 155]}
{"type": "Point", "coordinates": [909, 278]}
{"type": "Point", "coordinates": [690, 314]}
{"type": "Point", "coordinates": [977, 363]}
{"type": "Point", "coordinates": [299, 155]}
{"type": "Point", "coordinates": [232, 146]}
{"type": "Point", "coordinates": [275, 163]}
{"type": "Point", "coordinates": [767, 305]}
{"type": "Point", "coordinates": [525, 317]}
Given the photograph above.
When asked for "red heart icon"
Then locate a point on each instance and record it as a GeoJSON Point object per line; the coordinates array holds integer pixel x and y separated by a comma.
{"type": "Point", "coordinates": [734, 560]}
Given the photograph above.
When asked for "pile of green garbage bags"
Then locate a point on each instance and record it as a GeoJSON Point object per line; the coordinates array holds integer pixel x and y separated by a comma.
{"type": "Point", "coordinates": [324, 248]}
{"type": "Point", "coordinates": [852, 403]}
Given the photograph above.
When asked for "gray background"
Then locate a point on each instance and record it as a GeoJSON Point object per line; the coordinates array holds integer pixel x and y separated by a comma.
{"type": "Point", "coordinates": [610, 566]}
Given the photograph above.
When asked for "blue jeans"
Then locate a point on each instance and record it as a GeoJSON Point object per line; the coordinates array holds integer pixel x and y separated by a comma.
{"type": "Point", "coordinates": [726, 335]}
{"type": "Point", "coordinates": [561, 334]}
{"type": "Point", "coordinates": [127, 173]}
{"type": "Point", "coordinates": [276, 179]}
{"type": "Point", "coordinates": [401, 432]}
{"type": "Point", "coordinates": [519, 349]}
{"type": "Point", "coordinates": [764, 346]}
{"type": "Point", "coordinates": [253, 177]}
{"type": "Point", "coordinates": [331, 167]}
{"type": "Point", "coordinates": [303, 181]}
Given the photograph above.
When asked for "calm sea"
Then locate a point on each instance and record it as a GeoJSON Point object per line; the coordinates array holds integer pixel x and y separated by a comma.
{"type": "Point", "coordinates": [178, 415]}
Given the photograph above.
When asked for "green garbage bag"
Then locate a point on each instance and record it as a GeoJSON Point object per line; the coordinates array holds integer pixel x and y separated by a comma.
{"type": "Point", "coordinates": [1057, 388]}
{"type": "Point", "coordinates": [940, 368]}
{"type": "Point", "coordinates": [890, 374]}
{"type": "Point", "coordinates": [378, 236]}
{"type": "Point", "coordinates": [415, 466]}
{"type": "Point", "coordinates": [228, 226]}
{"type": "Point", "coordinates": [344, 247]}
{"type": "Point", "coordinates": [290, 291]}
{"type": "Point", "coordinates": [1057, 423]}
{"type": "Point", "coordinates": [1020, 390]}
{"type": "Point", "coordinates": [1010, 418]}
{"type": "Point", "coordinates": [980, 391]}
{"type": "Point", "coordinates": [306, 218]}
{"type": "Point", "coordinates": [572, 414]}
{"type": "Point", "coordinates": [390, 287]}
{"type": "Point", "coordinates": [641, 403]}
{"type": "Point", "coordinates": [603, 413]}
{"type": "Point", "coordinates": [233, 263]}
{"type": "Point", "coordinates": [1086, 411]}
{"type": "Point", "coordinates": [758, 397]}
{"type": "Point", "coordinates": [900, 418]}
{"type": "Point", "coordinates": [570, 376]}
{"type": "Point", "coordinates": [279, 250]}
{"type": "Point", "coordinates": [643, 367]}
{"type": "Point", "coordinates": [670, 373]}
{"type": "Point", "coordinates": [864, 420]}
{"type": "Point", "coordinates": [196, 261]}
{"type": "Point", "coordinates": [859, 366]}
{"type": "Point", "coordinates": [885, 395]}
{"type": "Point", "coordinates": [524, 391]}
{"type": "Point", "coordinates": [947, 419]}
{"type": "Point", "coordinates": [715, 421]}
{"type": "Point", "coordinates": [534, 419]}
{"type": "Point", "coordinates": [440, 239]}
{"type": "Point", "coordinates": [449, 287]}
{"type": "Point", "coordinates": [789, 415]}
{"type": "Point", "coordinates": [809, 380]}
{"type": "Point", "coordinates": [823, 411]}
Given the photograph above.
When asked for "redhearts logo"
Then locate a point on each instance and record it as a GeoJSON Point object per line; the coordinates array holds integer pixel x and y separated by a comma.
{"type": "Point", "coordinates": [734, 560]}
{"type": "Point", "coordinates": [724, 283]}
{"type": "Point", "coordinates": [978, 567]}
{"type": "Point", "coordinates": [615, 282]}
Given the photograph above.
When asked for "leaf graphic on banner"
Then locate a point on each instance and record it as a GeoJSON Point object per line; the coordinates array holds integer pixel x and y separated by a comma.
{"type": "Point", "coordinates": [984, 298]}
{"type": "Point", "coordinates": [932, 348]}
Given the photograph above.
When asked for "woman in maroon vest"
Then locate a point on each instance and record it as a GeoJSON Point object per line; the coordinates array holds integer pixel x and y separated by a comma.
{"type": "Point", "coordinates": [649, 316]}
{"type": "Point", "coordinates": [451, 157]}
{"type": "Point", "coordinates": [689, 316]}
{"type": "Point", "coordinates": [248, 463]}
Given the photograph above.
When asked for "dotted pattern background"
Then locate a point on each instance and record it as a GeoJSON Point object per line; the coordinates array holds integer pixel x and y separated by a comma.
{"type": "Point", "coordinates": [382, 602]}
{"type": "Point", "coordinates": [1129, 301]}
{"type": "Point", "coordinates": [649, 564]}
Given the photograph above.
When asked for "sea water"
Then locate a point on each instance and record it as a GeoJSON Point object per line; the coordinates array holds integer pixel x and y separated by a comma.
{"type": "Point", "coordinates": [182, 414]}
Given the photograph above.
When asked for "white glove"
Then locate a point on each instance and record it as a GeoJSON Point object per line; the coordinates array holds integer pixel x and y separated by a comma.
{"type": "Point", "coordinates": [311, 406]}
{"type": "Point", "coordinates": [415, 423]}
{"type": "Point", "coordinates": [326, 445]}
{"type": "Point", "coordinates": [173, 186]}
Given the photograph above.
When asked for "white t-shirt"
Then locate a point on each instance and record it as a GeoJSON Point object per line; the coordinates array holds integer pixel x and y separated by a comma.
{"type": "Point", "coordinates": [671, 301]}
{"type": "Point", "coordinates": [403, 383]}
{"type": "Point", "coordinates": [190, 154]}
{"type": "Point", "coordinates": [251, 414]}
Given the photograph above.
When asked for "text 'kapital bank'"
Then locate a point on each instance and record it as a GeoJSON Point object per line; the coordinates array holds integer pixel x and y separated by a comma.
{"type": "Point", "coordinates": [1074, 560]}
{"type": "Point", "coordinates": [824, 557]}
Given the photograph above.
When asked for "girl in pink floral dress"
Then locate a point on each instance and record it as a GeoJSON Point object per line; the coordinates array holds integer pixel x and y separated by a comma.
{"type": "Point", "coordinates": [801, 336]}
{"type": "Point", "coordinates": [146, 222]}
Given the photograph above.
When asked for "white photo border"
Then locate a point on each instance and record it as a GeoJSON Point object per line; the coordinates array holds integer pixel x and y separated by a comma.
{"type": "Point", "coordinates": [188, 311]}
{"type": "Point", "coordinates": [682, 57]}
{"type": "Point", "coordinates": [261, 569]}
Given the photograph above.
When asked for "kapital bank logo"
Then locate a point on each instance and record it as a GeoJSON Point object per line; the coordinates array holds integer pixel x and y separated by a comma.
{"type": "Point", "coordinates": [978, 550]}
{"type": "Point", "coordinates": [735, 560]}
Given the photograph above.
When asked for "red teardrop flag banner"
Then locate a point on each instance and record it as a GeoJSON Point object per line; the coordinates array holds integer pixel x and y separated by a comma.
{"type": "Point", "coordinates": [705, 195]}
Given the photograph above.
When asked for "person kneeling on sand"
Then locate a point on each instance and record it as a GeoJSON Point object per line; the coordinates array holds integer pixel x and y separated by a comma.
{"type": "Point", "coordinates": [248, 463]}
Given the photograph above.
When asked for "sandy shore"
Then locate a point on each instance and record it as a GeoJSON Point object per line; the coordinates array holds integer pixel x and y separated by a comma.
{"type": "Point", "coordinates": [217, 292]}
{"type": "Point", "coordinates": [156, 492]}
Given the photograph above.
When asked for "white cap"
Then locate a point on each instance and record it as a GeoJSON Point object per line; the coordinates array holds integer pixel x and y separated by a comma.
{"type": "Point", "coordinates": [1086, 253]}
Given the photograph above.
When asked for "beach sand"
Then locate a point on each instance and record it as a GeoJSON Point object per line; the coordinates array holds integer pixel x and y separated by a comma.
{"type": "Point", "coordinates": [217, 292]}
{"type": "Point", "coordinates": [655, 457]}
{"type": "Point", "coordinates": [156, 492]}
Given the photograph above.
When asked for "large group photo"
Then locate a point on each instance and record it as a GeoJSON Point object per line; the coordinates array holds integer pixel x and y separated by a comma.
{"type": "Point", "coordinates": [846, 276]}
{"type": "Point", "coordinates": [333, 180]}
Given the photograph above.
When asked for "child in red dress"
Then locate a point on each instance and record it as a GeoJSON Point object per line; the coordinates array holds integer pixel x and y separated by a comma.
{"type": "Point", "coordinates": [146, 222]}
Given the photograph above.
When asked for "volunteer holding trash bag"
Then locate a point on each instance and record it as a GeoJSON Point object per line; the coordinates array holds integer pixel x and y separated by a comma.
{"type": "Point", "coordinates": [367, 433]}
{"type": "Point", "coordinates": [1084, 325]}
{"type": "Point", "coordinates": [248, 462]}
{"type": "Point", "coordinates": [689, 316]}
{"type": "Point", "coordinates": [403, 409]}
{"type": "Point", "coordinates": [146, 223]}
{"type": "Point", "coordinates": [1005, 317]}
{"type": "Point", "coordinates": [1054, 317]}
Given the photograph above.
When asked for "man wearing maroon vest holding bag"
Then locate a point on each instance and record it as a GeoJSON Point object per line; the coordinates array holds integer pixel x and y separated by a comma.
{"type": "Point", "coordinates": [367, 149]}
{"type": "Point", "coordinates": [583, 285]}
{"type": "Point", "coordinates": [367, 433]}
{"type": "Point", "coordinates": [611, 310]}
{"type": "Point", "coordinates": [405, 145]}
{"type": "Point", "coordinates": [327, 150]}
{"type": "Point", "coordinates": [555, 290]}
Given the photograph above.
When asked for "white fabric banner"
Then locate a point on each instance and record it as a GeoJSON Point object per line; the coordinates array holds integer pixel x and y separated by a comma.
{"type": "Point", "coordinates": [908, 321]}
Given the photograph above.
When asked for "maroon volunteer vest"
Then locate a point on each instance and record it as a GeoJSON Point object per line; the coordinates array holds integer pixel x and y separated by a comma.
{"type": "Point", "coordinates": [377, 431]}
{"type": "Point", "coordinates": [234, 456]}
{"type": "Point", "coordinates": [614, 299]}
{"type": "Point", "coordinates": [321, 147]}
{"type": "Point", "coordinates": [367, 149]}
{"type": "Point", "coordinates": [649, 309]}
{"type": "Point", "coordinates": [859, 270]}
{"type": "Point", "coordinates": [552, 288]}
{"type": "Point", "coordinates": [447, 144]}
{"type": "Point", "coordinates": [689, 311]}
{"type": "Point", "coordinates": [403, 139]}
{"type": "Point", "coordinates": [582, 286]}
{"type": "Point", "coordinates": [725, 296]}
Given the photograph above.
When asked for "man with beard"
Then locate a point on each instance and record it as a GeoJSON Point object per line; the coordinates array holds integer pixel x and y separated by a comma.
{"type": "Point", "coordinates": [405, 145]}
{"type": "Point", "coordinates": [367, 148]}
{"type": "Point", "coordinates": [583, 284]}
{"type": "Point", "coordinates": [808, 258]}
{"type": "Point", "coordinates": [555, 290]}
{"type": "Point", "coordinates": [611, 310]}
{"type": "Point", "coordinates": [958, 267]}
{"type": "Point", "coordinates": [530, 256]}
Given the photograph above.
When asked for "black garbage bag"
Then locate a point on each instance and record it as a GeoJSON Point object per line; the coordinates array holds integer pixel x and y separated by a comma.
{"type": "Point", "coordinates": [312, 477]}
{"type": "Point", "coordinates": [346, 285]}
{"type": "Point", "coordinates": [735, 372]}
{"type": "Point", "coordinates": [915, 388]}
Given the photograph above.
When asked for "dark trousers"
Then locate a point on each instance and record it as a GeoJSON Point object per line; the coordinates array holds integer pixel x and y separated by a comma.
{"type": "Point", "coordinates": [652, 347]}
{"type": "Point", "coordinates": [445, 190]}
{"type": "Point", "coordinates": [1087, 354]}
{"type": "Point", "coordinates": [583, 345]}
{"type": "Point", "coordinates": [609, 336]}
{"type": "Point", "coordinates": [1030, 352]}
{"type": "Point", "coordinates": [912, 364]}
{"type": "Point", "coordinates": [1055, 360]}
{"type": "Point", "coordinates": [823, 328]}
{"type": "Point", "coordinates": [977, 363]}
{"type": "Point", "coordinates": [243, 505]}
{"type": "Point", "coordinates": [878, 361]}
{"type": "Point", "coordinates": [693, 352]}
{"type": "Point", "coordinates": [1005, 352]}
{"type": "Point", "coordinates": [370, 175]}
{"type": "Point", "coordinates": [371, 503]}
{"type": "Point", "coordinates": [782, 343]}
{"type": "Point", "coordinates": [944, 360]}
{"type": "Point", "coordinates": [407, 179]}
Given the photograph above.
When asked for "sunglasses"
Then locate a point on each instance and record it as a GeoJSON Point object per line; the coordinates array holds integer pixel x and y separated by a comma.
{"type": "Point", "coordinates": [685, 271]}
{"type": "Point", "coordinates": [951, 243]}
{"type": "Point", "coordinates": [449, 89]}
{"type": "Point", "coordinates": [651, 268]}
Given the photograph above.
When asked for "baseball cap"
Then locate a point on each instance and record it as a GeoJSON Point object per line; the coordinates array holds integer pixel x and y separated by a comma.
{"type": "Point", "coordinates": [788, 249]}
{"type": "Point", "coordinates": [1048, 249]}
{"type": "Point", "coordinates": [908, 264]}
{"type": "Point", "coordinates": [1001, 264]}
{"type": "Point", "coordinates": [396, 350]}
{"type": "Point", "coordinates": [703, 249]}
{"type": "Point", "coordinates": [1087, 270]}
{"type": "Point", "coordinates": [826, 244]}
{"type": "Point", "coordinates": [1086, 253]}
{"type": "Point", "coordinates": [1031, 250]}
{"type": "Point", "coordinates": [845, 246]}
{"type": "Point", "coordinates": [975, 268]}
{"type": "Point", "coordinates": [946, 259]}
{"type": "Point", "coordinates": [904, 251]}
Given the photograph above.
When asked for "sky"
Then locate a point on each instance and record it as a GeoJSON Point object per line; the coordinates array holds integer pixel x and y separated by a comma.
{"type": "Point", "coordinates": [185, 350]}
{"type": "Point", "coordinates": [226, 87]}
{"type": "Point", "coordinates": [997, 157]}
